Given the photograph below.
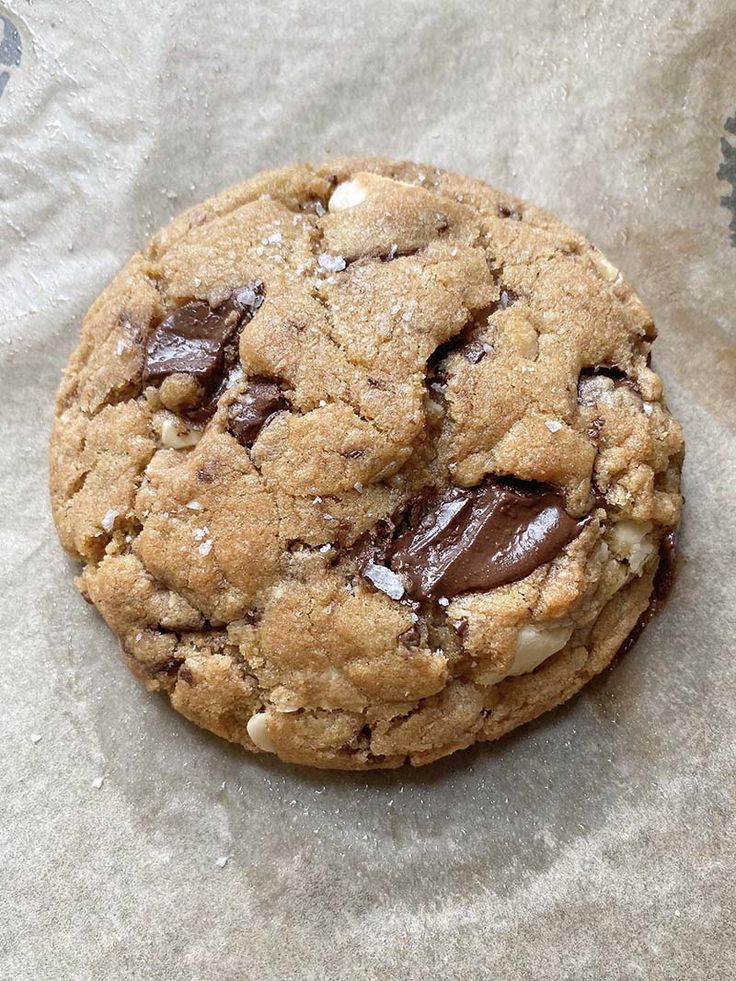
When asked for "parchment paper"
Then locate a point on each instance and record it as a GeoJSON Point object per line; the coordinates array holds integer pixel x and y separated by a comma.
{"type": "Point", "coordinates": [597, 843]}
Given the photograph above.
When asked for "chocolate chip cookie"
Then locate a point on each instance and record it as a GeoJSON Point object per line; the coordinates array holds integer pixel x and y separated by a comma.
{"type": "Point", "coordinates": [366, 462]}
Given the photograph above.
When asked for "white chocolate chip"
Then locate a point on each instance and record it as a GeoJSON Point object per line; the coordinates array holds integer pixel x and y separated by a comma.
{"type": "Point", "coordinates": [536, 642]}
{"type": "Point", "coordinates": [630, 540]}
{"type": "Point", "coordinates": [178, 436]}
{"type": "Point", "coordinates": [349, 194]}
{"type": "Point", "coordinates": [385, 580]}
{"type": "Point", "coordinates": [256, 729]}
{"type": "Point", "coordinates": [108, 519]}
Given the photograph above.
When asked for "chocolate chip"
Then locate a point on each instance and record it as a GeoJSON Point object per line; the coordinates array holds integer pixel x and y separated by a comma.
{"type": "Point", "coordinates": [197, 339]}
{"type": "Point", "coordinates": [254, 408]}
{"type": "Point", "coordinates": [411, 636]}
{"type": "Point", "coordinates": [480, 538]}
{"type": "Point", "coordinates": [506, 211]}
{"type": "Point", "coordinates": [185, 674]}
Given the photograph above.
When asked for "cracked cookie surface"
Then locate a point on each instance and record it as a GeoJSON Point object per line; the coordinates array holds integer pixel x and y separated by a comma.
{"type": "Point", "coordinates": [366, 462]}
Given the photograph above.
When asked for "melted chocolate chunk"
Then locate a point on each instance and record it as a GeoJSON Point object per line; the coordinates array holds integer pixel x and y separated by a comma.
{"type": "Point", "coordinates": [197, 340]}
{"type": "Point", "coordinates": [481, 538]}
{"type": "Point", "coordinates": [254, 408]}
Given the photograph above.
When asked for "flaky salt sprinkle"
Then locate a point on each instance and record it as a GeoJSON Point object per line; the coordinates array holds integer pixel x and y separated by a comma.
{"type": "Point", "coordinates": [648, 408]}
{"type": "Point", "coordinates": [222, 861]}
{"type": "Point", "coordinates": [98, 782]}
{"type": "Point", "coordinates": [35, 738]}
{"type": "Point", "coordinates": [332, 263]}
{"type": "Point", "coordinates": [194, 505]}
{"type": "Point", "coordinates": [275, 239]}
{"type": "Point", "coordinates": [443, 601]}
{"type": "Point", "coordinates": [358, 486]}
{"type": "Point", "coordinates": [108, 519]}
{"type": "Point", "coordinates": [325, 548]}
{"type": "Point", "coordinates": [385, 580]}
{"type": "Point", "coordinates": [553, 425]}
{"type": "Point", "coordinates": [206, 547]}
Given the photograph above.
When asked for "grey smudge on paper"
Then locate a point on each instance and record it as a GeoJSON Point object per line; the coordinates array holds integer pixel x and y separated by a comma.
{"type": "Point", "coordinates": [10, 49]}
{"type": "Point", "coordinates": [727, 172]}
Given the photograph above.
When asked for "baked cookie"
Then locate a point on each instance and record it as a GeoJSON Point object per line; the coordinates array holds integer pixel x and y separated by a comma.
{"type": "Point", "coordinates": [366, 463]}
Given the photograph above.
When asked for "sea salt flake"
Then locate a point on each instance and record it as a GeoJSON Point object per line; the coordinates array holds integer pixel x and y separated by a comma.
{"type": "Point", "coordinates": [200, 533]}
{"type": "Point", "coordinates": [109, 519]}
{"type": "Point", "coordinates": [194, 506]}
{"type": "Point", "coordinates": [332, 263]}
{"type": "Point", "coordinates": [443, 601]}
{"type": "Point", "coordinates": [206, 547]}
{"type": "Point", "coordinates": [35, 738]}
{"type": "Point", "coordinates": [358, 486]}
{"type": "Point", "coordinates": [385, 580]}
{"type": "Point", "coordinates": [222, 861]}
{"type": "Point", "coordinates": [325, 548]}
{"type": "Point", "coordinates": [553, 425]}
{"type": "Point", "coordinates": [648, 408]}
{"type": "Point", "coordinates": [275, 239]}
{"type": "Point", "coordinates": [98, 782]}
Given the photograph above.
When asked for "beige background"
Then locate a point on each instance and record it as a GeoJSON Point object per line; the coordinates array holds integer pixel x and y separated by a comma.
{"type": "Point", "coordinates": [597, 843]}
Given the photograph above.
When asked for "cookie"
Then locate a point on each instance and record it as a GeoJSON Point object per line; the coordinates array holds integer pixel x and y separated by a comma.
{"type": "Point", "coordinates": [366, 463]}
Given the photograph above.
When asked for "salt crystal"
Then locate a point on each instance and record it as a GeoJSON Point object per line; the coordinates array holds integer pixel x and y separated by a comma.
{"type": "Point", "coordinates": [98, 782]}
{"type": "Point", "coordinates": [120, 347]}
{"type": "Point", "coordinates": [325, 548]}
{"type": "Point", "coordinates": [194, 506]}
{"type": "Point", "coordinates": [395, 308]}
{"type": "Point", "coordinates": [320, 209]}
{"type": "Point", "coordinates": [385, 580]}
{"type": "Point", "coordinates": [332, 263]}
{"type": "Point", "coordinates": [358, 486]}
{"type": "Point", "coordinates": [200, 533]}
{"type": "Point", "coordinates": [443, 601]}
{"type": "Point", "coordinates": [275, 239]}
{"type": "Point", "coordinates": [205, 547]}
{"type": "Point", "coordinates": [553, 425]}
{"type": "Point", "coordinates": [222, 861]}
{"type": "Point", "coordinates": [109, 519]}
{"type": "Point", "coordinates": [35, 738]}
{"type": "Point", "coordinates": [648, 408]}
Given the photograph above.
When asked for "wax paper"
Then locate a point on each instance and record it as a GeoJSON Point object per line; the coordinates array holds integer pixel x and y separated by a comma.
{"type": "Point", "coordinates": [597, 843]}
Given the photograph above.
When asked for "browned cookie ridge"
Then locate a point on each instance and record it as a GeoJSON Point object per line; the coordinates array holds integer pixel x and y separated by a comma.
{"type": "Point", "coordinates": [366, 462]}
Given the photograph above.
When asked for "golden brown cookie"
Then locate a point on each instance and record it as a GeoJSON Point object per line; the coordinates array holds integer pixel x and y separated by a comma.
{"type": "Point", "coordinates": [366, 462]}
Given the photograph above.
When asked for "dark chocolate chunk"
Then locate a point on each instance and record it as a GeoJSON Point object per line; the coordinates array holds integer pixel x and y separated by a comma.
{"type": "Point", "coordinates": [411, 636]}
{"type": "Point", "coordinates": [480, 538]}
{"type": "Point", "coordinates": [195, 339]}
{"type": "Point", "coordinates": [253, 408]}
{"type": "Point", "coordinates": [506, 211]}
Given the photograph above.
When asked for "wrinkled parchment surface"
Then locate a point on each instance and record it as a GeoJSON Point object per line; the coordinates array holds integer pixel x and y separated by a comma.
{"type": "Point", "coordinates": [597, 843]}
